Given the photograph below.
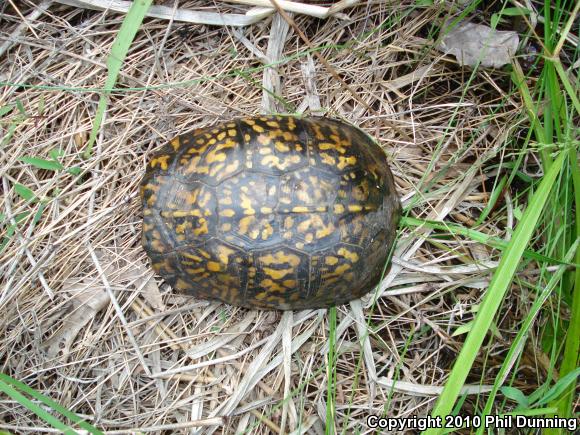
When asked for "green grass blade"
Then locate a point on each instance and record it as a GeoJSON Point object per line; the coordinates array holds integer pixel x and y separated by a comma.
{"type": "Point", "coordinates": [50, 165]}
{"type": "Point", "coordinates": [519, 80]}
{"type": "Point", "coordinates": [492, 200]}
{"type": "Point", "coordinates": [571, 90]}
{"type": "Point", "coordinates": [54, 422]}
{"type": "Point", "coordinates": [519, 340]}
{"type": "Point", "coordinates": [495, 293]}
{"type": "Point", "coordinates": [13, 383]}
{"type": "Point", "coordinates": [572, 345]}
{"type": "Point", "coordinates": [119, 50]}
{"type": "Point", "coordinates": [331, 374]}
{"type": "Point", "coordinates": [24, 192]}
{"type": "Point", "coordinates": [478, 236]}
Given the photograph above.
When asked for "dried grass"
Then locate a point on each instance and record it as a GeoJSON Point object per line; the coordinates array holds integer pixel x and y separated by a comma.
{"type": "Point", "coordinates": [84, 322]}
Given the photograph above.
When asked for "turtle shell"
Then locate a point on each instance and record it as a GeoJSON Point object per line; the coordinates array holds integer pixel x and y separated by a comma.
{"type": "Point", "coordinates": [271, 212]}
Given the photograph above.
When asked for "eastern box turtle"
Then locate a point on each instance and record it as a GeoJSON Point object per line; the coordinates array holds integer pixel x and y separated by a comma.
{"type": "Point", "coordinates": [271, 212]}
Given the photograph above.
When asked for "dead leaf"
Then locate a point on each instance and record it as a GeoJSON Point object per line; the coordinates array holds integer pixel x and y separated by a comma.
{"type": "Point", "coordinates": [142, 278]}
{"type": "Point", "coordinates": [471, 43]}
{"type": "Point", "coordinates": [88, 298]}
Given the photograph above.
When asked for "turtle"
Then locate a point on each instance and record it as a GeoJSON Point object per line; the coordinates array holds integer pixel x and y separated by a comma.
{"type": "Point", "coordinates": [271, 212]}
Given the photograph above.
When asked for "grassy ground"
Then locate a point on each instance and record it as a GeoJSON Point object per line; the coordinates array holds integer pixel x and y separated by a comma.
{"type": "Point", "coordinates": [479, 313]}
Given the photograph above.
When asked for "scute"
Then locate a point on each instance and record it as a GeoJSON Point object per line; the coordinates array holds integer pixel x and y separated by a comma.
{"type": "Point", "coordinates": [247, 204]}
{"type": "Point", "coordinates": [271, 212]}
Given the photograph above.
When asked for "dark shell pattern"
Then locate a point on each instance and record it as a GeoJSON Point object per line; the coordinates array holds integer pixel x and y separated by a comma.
{"type": "Point", "coordinates": [271, 212]}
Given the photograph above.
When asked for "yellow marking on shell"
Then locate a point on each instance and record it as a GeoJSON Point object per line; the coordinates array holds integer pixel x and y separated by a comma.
{"type": "Point", "coordinates": [271, 285]}
{"type": "Point", "coordinates": [355, 208]}
{"type": "Point", "coordinates": [331, 261]}
{"type": "Point", "coordinates": [212, 266]}
{"type": "Point", "coordinates": [280, 257]}
{"type": "Point", "coordinates": [180, 229]}
{"type": "Point", "coordinates": [267, 232]}
{"type": "Point", "coordinates": [202, 228]}
{"type": "Point", "coordinates": [352, 256]}
{"type": "Point", "coordinates": [246, 204]}
{"type": "Point", "coordinates": [309, 237]}
{"type": "Point", "coordinates": [193, 167]}
{"type": "Point", "coordinates": [249, 121]}
{"type": "Point", "coordinates": [291, 124]}
{"type": "Point", "coordinates": [289, 283]}
{"type": "Point", "coordinates": [338, 208]}
{"type": "Point", "coordinates": [224, 254]}
{"type": "Point", "coordinates": [221, 136]}
{"type": "Point", "coordinates": [300, 245]}
{"type": "Point", "coordinates": [326, 146]}
{"type": "Point", "coordinates": [175, 143]}
{"type": "Point", "coordinates": [258, 128]}
{"type": "Point", "coordinates": [303, 226]}
{"type": "Point", "coordinates": [216, 169]}
{"type": "Point", "coordinates": [345, 161]}
{"type": "Point", "coordinates": [157, 245]}
{"type": "Point", "coordinates": [341, 269]}
{"type": "Point", "coordinates": [275, 161]}
{"type": "Point", "coordinates": [226, 200]}
{"type": "Point", "coordinates": [245, 223]}
{"type": "Point", "coordinates": [232, 133]}
{"type": "Point", "coordinates": [228, 212]}
{"type": "Point", "coordinates": [281, 146]}
{"type": "Point", "coordinates": [247, 137]}
{"type": "Point", "coordinates": [228, 143]}
{"type": "Point", "coordinates": [318, 132]}
{"type": "Point", "coordinates": [204, 253]}
{"type": "Point", "coordinates": [192, 257]}
{"type": "Point", "coordinates": [181, 285]}
{"type": "Point", "coordinates": [226, 227]}
{"type": "Point", "coordinates": [277, 273]}
{"type": "Point", "coordinates": [266, 210]}
{"type": "Point", "coordinates": [181, 213]}
{"type": "Point", "coordinates": [229, 168]}
{"type": "Point", "coordinates": [289, 137]}
{"type": "Point", "coordinates": [328, 159]}
{"type": "Point", "coordinates": [295, 296]}
{"type": "Point", "coordinates": [263, 139]}
{"type": "Point", "coordinates": [161, 161]}
{"type": "Point", "coordinates": [270, 160]}
{"type": "Point", "coordinates": [191, 196]}
{"type": "Point", "coordinates": [214, 156]}
{"type": "Point", "coordinates": [195, 271]}
{"type": "Point", "coordinates": [153, 187]}
{"type": "Point", "coordinates": [273, 124]}
{"type": "Point", "coordinates": [325, 231]}
{"type": "Point", "coordinates": [203, 201]}
{"type": "Point", "coordinates": [203, 145]}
